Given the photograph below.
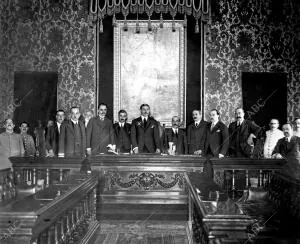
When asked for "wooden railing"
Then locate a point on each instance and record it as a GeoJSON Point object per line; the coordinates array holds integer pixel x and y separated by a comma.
{"type": "Point", "coordinates": [237, 174]}
{"type": "Point", "coordinates": [62, 213]}
{"type": "Point", "coordinates": [213, 216]}
{"type": "Point", "coordinates": [57, 219]}
{"type": "Point", "coordinates": [7, 186]}
{"type": "Point", "coordinates": [50, 170]}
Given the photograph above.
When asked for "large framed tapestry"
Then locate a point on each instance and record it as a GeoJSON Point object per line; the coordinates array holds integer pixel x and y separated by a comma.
{"type": "Point", "coordinates": [150, 67]}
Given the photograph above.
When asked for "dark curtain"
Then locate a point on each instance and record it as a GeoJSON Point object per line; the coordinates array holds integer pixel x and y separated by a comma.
{"type": "Point", "coordinates": [35, 95]}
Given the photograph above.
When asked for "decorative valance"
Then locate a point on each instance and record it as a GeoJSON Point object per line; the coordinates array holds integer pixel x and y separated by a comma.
{"type": "Point", "coordinates": [99, 9]}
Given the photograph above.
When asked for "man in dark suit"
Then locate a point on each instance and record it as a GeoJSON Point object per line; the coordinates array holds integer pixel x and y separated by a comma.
{"type": "Point", "coordinates": [72, 137]}
{"type": "Point", "coordinates": [196, 133]}
{"type": "Point", "coordinates": [145, 132]}
{"type": "Point", "coordinates": [100, 133]}
{"type": "Point", "coordinates": [52, 137]}
{"type": "Point", "coordinates": [241, 134]}
{"type": "Point", "coordinates": [176, 138]}
{"type": "Point", "coordinates": [288, 146]}
{"type": "Point", "coordinates": [122, 133]}
{"type": "Point", "coordinates": [217, 141]}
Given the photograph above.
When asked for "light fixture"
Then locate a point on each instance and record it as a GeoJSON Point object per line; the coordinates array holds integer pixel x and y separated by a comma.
{"type": "Point", "coordinates": [125, 27]}
{"type": "Point", "coordinates": [149, 25]}
{"type": "Point", "coordinates": [161, 21]}
{"type": "Point", "coordinates": [197, 27]}
{"type": "Point", "coordinates": [173, 25]}
{"type": "Point", "coordinates": [137, 25]}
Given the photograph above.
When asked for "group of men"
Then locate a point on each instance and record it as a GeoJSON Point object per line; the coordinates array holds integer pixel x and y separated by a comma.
{"type": "Point", "coordinates": [78, 136]}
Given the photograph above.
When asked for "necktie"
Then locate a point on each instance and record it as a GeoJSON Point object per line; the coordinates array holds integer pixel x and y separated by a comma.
{"type": "Point", "coordinates": [144, 122]}
{"type": "Point", "coordinates": [196, 124]}
{"type": "Point", "coordinates": [212, 127]}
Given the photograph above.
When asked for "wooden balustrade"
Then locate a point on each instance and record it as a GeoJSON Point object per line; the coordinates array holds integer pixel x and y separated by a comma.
{"type": "Point", "coordinates": [7, 186]}
{"type": "Point", "coordinates": [237, 174]}
{"type": "Point", "coordinates": [213, 216]}
{"type": "Point", "coordinates": [51, 170]}
{"type": "Point", "coordinates": [150, 179]}
{"type": "Point", "coordinates": [61, 213]}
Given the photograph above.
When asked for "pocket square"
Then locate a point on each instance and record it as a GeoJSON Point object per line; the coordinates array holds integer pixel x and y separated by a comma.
{"type": "Point", "coordinates": [218, 130]}
{"type": "Point", "coordinates": [152, 126]}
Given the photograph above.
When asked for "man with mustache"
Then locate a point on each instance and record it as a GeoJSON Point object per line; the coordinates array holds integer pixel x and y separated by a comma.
{"type": "Point", "coordinates": [27, 139]}
{"type": "Point", "coordinates": [122, 133]}
{"type": "Point", "coordinates": [241, 134]}
{"type": "Point", "coordinates": [11, 144]}
{"type": "Point", "coordinates": [272, 137]}
{"type": "Point", "coordinates": [216, 143]}
{"type": "Point", "coordinates": [100, 133]}
{"type": "Point", "coordinates": [145, 132]}
{"type": "Point", "coordinates": [176, 138]}
{"type": "Point", "coordinates": [196, 134]}
{"type": "Point", "coordinates": [288, 146]}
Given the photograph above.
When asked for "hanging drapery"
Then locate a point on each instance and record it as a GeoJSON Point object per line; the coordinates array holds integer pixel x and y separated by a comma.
{"type": "Point", "coordinates": [99, 9]}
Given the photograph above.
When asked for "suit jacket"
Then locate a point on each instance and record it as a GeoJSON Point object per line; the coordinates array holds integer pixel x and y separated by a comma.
{"type": "Point", "coordinates": [180, 141]}
{"type": "Point", "coordinates": [217, 139]}
{"type": "Point", "coordinates": [196, 136]}
{"type": "Point", "coordinates": [147, 136]}
{"type": "Point", "coordinates": [100, 133]}
{"type": "Point", "coordinates": [239, 135]}
{"type": "Point", "coordinates": [67, 143]}
{"type": "Point", "coordinates": [52, 138]}
{"type": "Point", "coordinates": [288, 149]}
{"type": "Point", "coordinates": [122, 137]}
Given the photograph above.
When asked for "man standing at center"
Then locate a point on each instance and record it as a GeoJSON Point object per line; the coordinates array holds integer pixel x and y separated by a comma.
{"type": "Point", "coordinates": [196, 134]}
{"type": "Point", "coordinates": [145, 132]}
{"type": "Point", "coordinates": [100, 133]}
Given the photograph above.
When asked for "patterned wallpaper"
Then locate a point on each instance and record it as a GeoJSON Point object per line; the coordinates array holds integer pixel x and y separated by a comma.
{"type": "Point", "coordinates": [251, 36]}
{"type": "Point", "coordinates": [47, 35]}
{"type": "Point", "coordinates": [246, 35]}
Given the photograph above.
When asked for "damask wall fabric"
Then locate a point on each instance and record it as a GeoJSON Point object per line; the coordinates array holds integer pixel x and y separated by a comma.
{"type": "Point", "coordinates": [246, 35]}
{"type": "Point", "coordinates": [47, 35]}
{"type": "Point", "coordinates": [251, 36]}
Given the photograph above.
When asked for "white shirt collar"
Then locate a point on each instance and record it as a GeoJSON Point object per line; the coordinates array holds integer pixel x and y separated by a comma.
{"type": "Point", "coordinates": [288, 138]}
{"type": "Point", "coordinates": [74, 122]}
{"type": "Point", "coordinates": [213, 124]}
{"type": "Point", "coordinates": [121, 124]}
{"type": "Point", "coordinates": [240, 121]}
{"type": "Point", "coordinates": [144, 118]}
{"type": "Point", "coordinates": [174, 130]}
{"type": "Point", "coordinates": [197, 122]}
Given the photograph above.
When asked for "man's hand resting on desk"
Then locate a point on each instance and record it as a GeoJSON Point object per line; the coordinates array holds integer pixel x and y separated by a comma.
{"type": "Point", "coordinates": [277, 156]}
{"type": "Point", "coordinates": [198, 152]}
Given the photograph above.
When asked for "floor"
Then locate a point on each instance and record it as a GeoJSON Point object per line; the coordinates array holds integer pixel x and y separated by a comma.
{"type": "Point", "coordinates": [142, 232]}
